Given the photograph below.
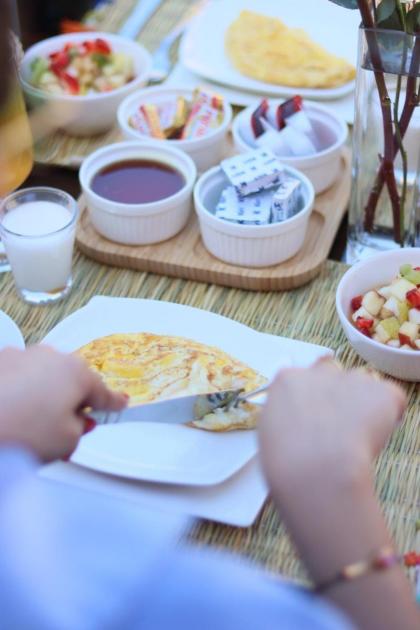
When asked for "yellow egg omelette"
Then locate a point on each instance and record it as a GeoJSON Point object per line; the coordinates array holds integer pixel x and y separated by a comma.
{"type": "Point", "coordinates": [150, 367]}
{"type": "Point", "coordinates": [264, 48]}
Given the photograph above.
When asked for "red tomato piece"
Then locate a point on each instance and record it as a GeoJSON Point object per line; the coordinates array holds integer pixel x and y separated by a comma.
{"type": "Point", "coordinates": [364, 325]}
{"type": "Point", "coordinates": [356, 302]}
{"type": "Point", "coordinates": [413, 297]}
{"type": "Point", "coordinates": [71, 83]}
{"type": "Point", "coordinates": [89, 46]}
{"type": "Point", "coordinates": [101, 46]}
{"type": "Point", "coordinates": [59, 61]}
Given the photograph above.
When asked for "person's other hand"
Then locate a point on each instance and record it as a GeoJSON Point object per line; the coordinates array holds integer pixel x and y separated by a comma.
{"type": "Point", "coordinates": [322, 419]}
{"type": "Point", "coordinates": [42, 397]}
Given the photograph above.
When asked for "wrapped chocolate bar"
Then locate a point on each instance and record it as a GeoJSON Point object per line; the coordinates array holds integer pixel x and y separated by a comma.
{"type": "Point", "coordinates": [257, 118]}
{"type": "Point", "coordinates": [151, 115]}
{"type": "Point", "coordinates": [251, 210]}
{"type": "Point", "coordinates": [206, 113]}
{"type": "Point", "coordinates": [286, 199]}
{"type": "Point", "coordinates": [287, 109]}
{"type": "Point", "coordinates": [139, 122]}
{"type": "Point", "coordinates": [291, 114]}
{"type": "Point", "coordinates": [253, 171]}
{"type": "Point", "coordinates": [173, 116]}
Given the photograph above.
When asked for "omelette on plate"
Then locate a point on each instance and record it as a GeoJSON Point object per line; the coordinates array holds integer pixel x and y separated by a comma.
{"type": "Point", "coordinates": [151, 367]}
{"type": "Point", "coordinates": [264, 48]}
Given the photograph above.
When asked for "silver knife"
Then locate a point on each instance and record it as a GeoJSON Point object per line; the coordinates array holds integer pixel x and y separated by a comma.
{"type": "Point", "coordinates": [177, 410]}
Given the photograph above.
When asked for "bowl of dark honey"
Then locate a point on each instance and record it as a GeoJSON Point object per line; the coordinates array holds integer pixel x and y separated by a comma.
{"type": "Point", "coordinates": [138, 193]}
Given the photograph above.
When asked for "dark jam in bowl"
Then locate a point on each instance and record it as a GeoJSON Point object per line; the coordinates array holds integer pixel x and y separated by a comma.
{"type": "Point", "coordinates": [137, 181]}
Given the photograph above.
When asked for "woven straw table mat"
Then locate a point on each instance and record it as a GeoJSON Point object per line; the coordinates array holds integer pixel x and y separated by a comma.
{"type": "Point", "coordinates": [61, 149]}
{"type": "Point", "coordinates": [307, 313]}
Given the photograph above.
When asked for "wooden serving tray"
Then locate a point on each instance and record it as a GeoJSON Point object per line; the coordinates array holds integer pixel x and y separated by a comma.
{"type": "Point", "coordinates": [184, 255]}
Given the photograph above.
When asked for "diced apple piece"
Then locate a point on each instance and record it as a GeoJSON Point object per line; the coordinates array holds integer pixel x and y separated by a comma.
{"type": "Point", "coordinates": [406, 347]}
{"type": "Point", "coordinates": [385, 291]}
{"type": "Point", "coordinates": [410, 274]}
{"type": "Point", "coordinates": [410, 331]}
{"type": "Point", "coordinates": [373, 302]}
{"type": "Point", "coordinates": [400, 288]}
{"type": "Point", "coordinates": [414, 316]}
{"type": "Point", "coordinates": [376, 337]}
{"type": "Point", "coordinates": [384, 313]}
{"type": "Point", "coordinates": [361, 312]}
{"type": "Point", "coordinates": [417, 344]}
{"type": "Point", "coordinates": [391, 325]}
{"type": "Point", "coordinates": [394, 343]}
{"type": "Point", "coordinates": [397, 308]}
{"type": "Point", "coordinates": [381, 333]}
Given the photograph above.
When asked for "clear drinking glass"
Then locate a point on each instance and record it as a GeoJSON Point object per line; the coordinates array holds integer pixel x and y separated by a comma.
{"type": "Point", "coordinates": [38, 227]}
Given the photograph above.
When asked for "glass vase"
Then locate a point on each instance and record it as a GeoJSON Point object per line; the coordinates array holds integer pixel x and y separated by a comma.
{"type": "Point", "coordinates": [385, 200]}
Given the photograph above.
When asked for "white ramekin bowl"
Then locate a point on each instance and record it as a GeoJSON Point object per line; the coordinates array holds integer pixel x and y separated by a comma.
{"type": "Point", "coordinates": [376, 271]}
{"type": "Point", "coordinates": [206, 151]}
{"type": "Point", "coordinates": [144, 223]}
{"type": "Point", "coordinates": [92, 113]}
{"type": "Point", "coordinates": [249, 245]}
{"type": "Point", "coordinates": [322, 168]}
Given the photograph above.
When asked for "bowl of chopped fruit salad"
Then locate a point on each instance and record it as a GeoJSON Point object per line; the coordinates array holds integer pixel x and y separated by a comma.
{"type": "Point", "coordinates": [378, 303]}
{"type": "Point", "coordinates": [82, 78]}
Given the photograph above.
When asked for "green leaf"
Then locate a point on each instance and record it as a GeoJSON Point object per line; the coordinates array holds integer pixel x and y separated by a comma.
{"type": "Point", "coordinates": [385, 9]}
{"type": "Point", "coordinates": [101, 59]}
{"type": "Point", "coordinates": [347, 4]}
{"type": "Point", "coordinates": [388, 16]}
{"type": "Point", "coordinates": [412, 19]}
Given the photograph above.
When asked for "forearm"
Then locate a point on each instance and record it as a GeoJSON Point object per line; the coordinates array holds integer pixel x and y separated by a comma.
{"type": "Point", "coordinates": [337, 521]}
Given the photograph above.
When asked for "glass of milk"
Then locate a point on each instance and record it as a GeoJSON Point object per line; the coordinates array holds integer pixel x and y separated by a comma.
{"type": "Point", "coordinates": [37, 227]}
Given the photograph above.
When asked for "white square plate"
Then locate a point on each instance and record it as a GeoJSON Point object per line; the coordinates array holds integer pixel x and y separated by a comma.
{"type": "Point", "coordinates": [202, 49]}
{"type": "Point", "coordinates": [173, 454]}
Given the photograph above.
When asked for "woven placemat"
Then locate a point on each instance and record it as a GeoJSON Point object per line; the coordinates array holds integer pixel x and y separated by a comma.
{"type": "Point", "coordinates": [64, 150]}
{"type": "Point", "coordinates": [308, 314]}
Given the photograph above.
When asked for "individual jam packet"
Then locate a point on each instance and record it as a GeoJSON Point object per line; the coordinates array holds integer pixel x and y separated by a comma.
{"type": "Point", "coordinates": [286, 199]}
{"type": "Point", "coordinates": [251, 210]}
{"type": "Point", "coordinates": [253, 171]}
{"type": "Point", "coordinates": [206, 113]}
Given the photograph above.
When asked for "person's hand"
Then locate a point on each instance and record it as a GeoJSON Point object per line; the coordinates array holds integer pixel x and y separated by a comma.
{"type": "Point", "coordinates": [42, 397]}
{"type": "Point", "coordinates": [323, 418]}
{"type": "Point", "coordinates": [319, 432]}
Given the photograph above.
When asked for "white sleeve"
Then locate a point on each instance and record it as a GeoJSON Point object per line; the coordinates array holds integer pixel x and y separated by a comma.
{"type": "Point", "coordinates": [71, 560]}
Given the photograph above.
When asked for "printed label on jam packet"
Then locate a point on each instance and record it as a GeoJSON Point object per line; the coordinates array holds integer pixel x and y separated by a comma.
{"type": "Point", "coordinates": [253, 171]}
{"type": "Point", "coordinates": [251, 210]}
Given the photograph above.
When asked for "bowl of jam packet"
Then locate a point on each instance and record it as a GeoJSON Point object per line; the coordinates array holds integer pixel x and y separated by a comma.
{"type": "Point", "coordinates": [195, 121]}
{"type": "Point", "coordinates": [302, 134]}
{"type": "Point", "coordinates": [253, 210]}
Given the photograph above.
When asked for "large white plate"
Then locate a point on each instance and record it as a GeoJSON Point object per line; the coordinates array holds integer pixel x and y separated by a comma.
{"type": "Point", "coordinates": [172, 454]}
{"type": "Point", "coordinates": [202, 48]}
{"type": "Point", "coordinates": [10, 334]}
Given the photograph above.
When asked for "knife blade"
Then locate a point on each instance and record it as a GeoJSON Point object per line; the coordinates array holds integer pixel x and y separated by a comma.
{"type": "Point", "coordinates": [170, 411]}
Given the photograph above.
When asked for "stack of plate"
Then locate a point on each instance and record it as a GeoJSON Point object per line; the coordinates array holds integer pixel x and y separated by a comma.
{"type": "Point", "coordinates": [173, 467]}
{"type": "Point", "coordinates": [202, 51]}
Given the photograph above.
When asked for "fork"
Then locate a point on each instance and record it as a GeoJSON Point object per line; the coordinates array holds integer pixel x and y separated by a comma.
{"type": "Point", "coordinates": [162, 63]}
